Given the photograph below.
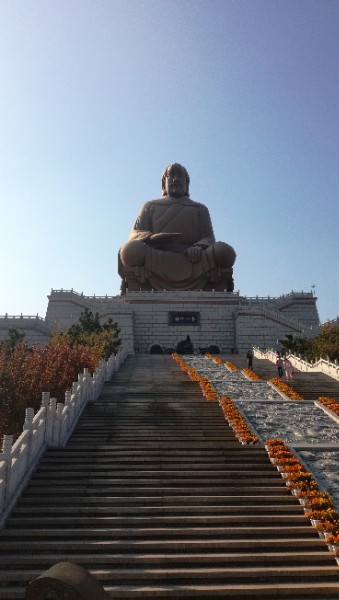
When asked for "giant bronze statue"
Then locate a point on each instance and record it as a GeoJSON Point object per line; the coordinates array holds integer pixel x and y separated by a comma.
{"type": "Point", "coordinates": [172, 244]}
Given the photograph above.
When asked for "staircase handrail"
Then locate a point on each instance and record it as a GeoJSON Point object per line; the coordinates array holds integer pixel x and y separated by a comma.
{"type": "Point", "coordinates": [52, 425]}
{"type": "Point", "coordinates": [322, 365]}
{"type": "Point", "coordinates": [277, 317]}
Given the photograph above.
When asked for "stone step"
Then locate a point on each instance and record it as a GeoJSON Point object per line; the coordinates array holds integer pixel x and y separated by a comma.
{"type": "Point", "coordinates": [182, 576]}
{"type": "Point", "coordinates": [154, 463]}
{"type": "Point", "coordinates": [156, 497]}
{"type": "Point", "coordinates": [154, 476]}
{"type": "Point", "coordinates": [272, 591]}
{"type": "Point", "coordinates": [231, 452]}
{"type": "Point", "coordinates": [95, 546]}
{"type": "Point", "coordinates": [71, 468]}
{"type": "Point", "coordinates": [169, 501]}
{"type": "Point", "coordinates": [137, 439]}
{"type": "Point", "coordinates": [177, 521]}
{"type": "Point", "coordinates": [293, 591]}
{"type": "Point", "coordinates": [309, 385]}
{"type": "Point", "coordinates": [260, 509]}
{"type": "Point", "coordinates": [168, 493]}
{"type": "Point", "coordinates": [160, 444]}
{"type": "Point", "coordinates": [194, 559]}
{"type": "Point", "coordinates": [164, 533]}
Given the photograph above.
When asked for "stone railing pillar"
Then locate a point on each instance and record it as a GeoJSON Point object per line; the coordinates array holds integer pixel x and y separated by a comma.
{"type": "Point", "coordinates": [28, 426]}
{"type": "Point", "coordinates": [7, 458]}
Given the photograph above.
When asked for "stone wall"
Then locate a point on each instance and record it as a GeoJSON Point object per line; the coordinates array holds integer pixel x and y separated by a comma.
{"type": "Point", "coordinates": [66, 306]}
{"type": "Point", "coordinates": [34, 327]}
{"type": "Point", "coordinates": [207, 317]}
{"type": "Point", "coordinates": [223, 319]}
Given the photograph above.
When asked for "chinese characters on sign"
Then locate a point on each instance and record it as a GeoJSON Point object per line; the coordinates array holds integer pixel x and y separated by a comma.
{"type": "Point", "coordinates": [184, 318]}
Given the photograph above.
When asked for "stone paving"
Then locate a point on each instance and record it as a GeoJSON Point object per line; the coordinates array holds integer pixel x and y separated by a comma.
{"type": "Point", "coordinates": [302, 424]}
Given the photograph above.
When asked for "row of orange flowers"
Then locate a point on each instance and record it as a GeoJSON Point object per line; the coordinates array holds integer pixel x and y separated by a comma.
{"type": "Point", "coordinates": [330, 403]}
{"type": "Point", "coordinates": [231, 366]}
{"type": "Point", "coordinates": [237, 421]}
{"type": "Point", "coordinates": [207, 388]}
{"type": "Point", "coordinates": [251, 375]}
{"type": "Point", "coordinates": [285, 389]}
{"type": "Point", "coordinates": [231, 413]}
{"type": "Point", "coordinates": [220, 361]}
{"type": "Point", "coordinates": [318, 505]}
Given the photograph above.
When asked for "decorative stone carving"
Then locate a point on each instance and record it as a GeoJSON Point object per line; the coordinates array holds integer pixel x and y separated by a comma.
{"type": "Point", "coordinates": [172, 244]}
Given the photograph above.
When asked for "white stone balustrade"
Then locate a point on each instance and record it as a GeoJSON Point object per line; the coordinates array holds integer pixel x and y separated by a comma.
{"type": "Point", "coordinates": [51, 426]}
{"type": "Point", "coordinates": [320, 366]}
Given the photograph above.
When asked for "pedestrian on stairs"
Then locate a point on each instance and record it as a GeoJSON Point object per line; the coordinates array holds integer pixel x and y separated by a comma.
{"type": "Point", "coordinates": [280, 365]}
{"type": "Point", "coordinates": [249, 357]}
{"type": "Point", "coordinates": [288, 369]}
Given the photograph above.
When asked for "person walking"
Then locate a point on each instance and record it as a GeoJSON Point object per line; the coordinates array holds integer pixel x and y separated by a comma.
{"type": "Point", "coordinates": [249, 357]}
{"type": "Point", "coordinates": [288, 369]}
{"type": "Point", "coordinates": [280, 365]}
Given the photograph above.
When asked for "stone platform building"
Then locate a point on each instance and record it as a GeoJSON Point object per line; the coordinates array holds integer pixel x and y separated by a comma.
{"type": "Point", "coordinates": [223, 319]}
{"type": "Point", "coordinates": [226, 320]}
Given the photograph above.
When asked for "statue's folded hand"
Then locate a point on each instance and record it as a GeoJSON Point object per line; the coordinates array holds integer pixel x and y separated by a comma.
{"type": "Point", "coordinates": [194, 253]}
{"type": "Point", "coordinates": [156, 237]}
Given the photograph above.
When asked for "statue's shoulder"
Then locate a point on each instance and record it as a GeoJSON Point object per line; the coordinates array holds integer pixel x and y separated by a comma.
{"type": "Point", "coordinates": [199, 205]}
{"type": "Point", "coordinates": [184, 200]}
{"type": "Point", "coordinates": [149, 203]}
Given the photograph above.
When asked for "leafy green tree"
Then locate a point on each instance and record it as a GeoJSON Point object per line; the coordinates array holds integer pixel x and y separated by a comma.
{"type": "Point", "coordinates": [323, 345]}
{"type": "Point", "coordinates": [88, 331]}
{"type": "Point", "coordinates": [294, 345]}
{"type": "Point", "coordinates": [14, 337]}
{"type": "Point", "coordinates": [326, 343]}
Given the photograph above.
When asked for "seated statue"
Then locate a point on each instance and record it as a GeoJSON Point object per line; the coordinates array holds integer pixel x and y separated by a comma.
{"type": "Point", "coordinates": [172, 244]}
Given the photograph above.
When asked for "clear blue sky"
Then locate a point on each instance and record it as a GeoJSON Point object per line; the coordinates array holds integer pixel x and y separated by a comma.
{"type": "Point", "coordinates": [99, 96]}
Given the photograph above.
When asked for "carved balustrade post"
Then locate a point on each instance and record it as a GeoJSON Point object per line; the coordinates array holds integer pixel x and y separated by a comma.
{"type": "Point", "coordinates": [91, 389]}
{"type": "Point", "coordinates": [7, 444]}
{"type": "Point", "coordinates": [79, 389]}
{"type": "Point", "coordinates": [44, 403]}
{"type": "Point", "coordinates": [68, 404]}
{"type": "Point", "coordinates": [28, 426]}
{"type": "Point", "coordinates": [86, 377]}
{"type": "Point", "coordinates": [50, 420]}
{"type": "Point", "coordinates": [58, 422]}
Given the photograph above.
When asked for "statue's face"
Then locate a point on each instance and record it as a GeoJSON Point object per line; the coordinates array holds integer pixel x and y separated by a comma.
{"type": "Point", "coordinates": [175, 182]}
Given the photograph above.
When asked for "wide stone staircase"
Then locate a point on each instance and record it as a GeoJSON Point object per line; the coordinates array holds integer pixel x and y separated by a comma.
{"type": "Point", "coordinates": [309, 385]}
{"type": "Point", "coordinates": [155, 496]}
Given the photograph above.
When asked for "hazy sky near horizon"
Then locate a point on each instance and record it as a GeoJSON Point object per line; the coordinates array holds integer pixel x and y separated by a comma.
{"type": "Point", "coordinates": [99, 96]}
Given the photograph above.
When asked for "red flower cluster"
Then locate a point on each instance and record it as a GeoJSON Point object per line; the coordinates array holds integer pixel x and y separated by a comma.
{"type": "Point", "coordinates": [27, 372]}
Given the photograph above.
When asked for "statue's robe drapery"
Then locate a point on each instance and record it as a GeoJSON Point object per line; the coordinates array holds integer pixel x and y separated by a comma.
{"type": "Point", "coordinates": [167, 265]}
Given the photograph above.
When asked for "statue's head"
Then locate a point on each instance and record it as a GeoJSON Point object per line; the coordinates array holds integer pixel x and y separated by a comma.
{"type": "Point", "coordinates": [175, 181]}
